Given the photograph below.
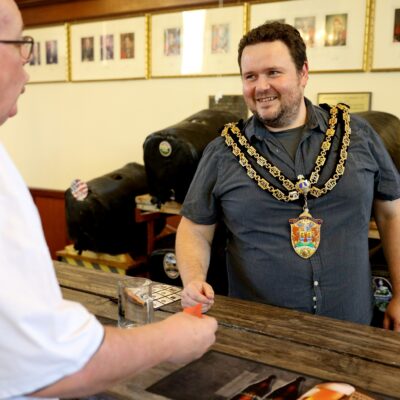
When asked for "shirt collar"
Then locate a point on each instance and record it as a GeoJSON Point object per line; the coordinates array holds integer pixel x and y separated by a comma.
{"type": "Point", "coordinates": [316, 121]}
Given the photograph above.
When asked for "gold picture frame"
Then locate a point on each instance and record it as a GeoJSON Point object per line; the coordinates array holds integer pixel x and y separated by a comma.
{"type": "Point", "coordinates": [49, 62]}
{"type": "Point", "coordinates": [336, 33]}
{"type": "Point", "coordinates": [385, 16]}
{"type": "Point", "coordinates": [200, 42]}
{"type": "Point", "coordinates": [109, 49]}
{"type": "Point", "coordinates": [358, 101]}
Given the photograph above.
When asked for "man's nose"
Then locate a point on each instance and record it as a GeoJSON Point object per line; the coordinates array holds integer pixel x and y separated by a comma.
{"type": "Point", "coordinates": [263, 83]}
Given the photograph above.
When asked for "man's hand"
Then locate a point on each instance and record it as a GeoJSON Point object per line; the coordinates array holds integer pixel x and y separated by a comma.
{"type": "Point", "coordinates": [192, 336]}
{"type": "Point", "coordinates": [198, 292]}
{"type": "Point", "coordinates": [392, 315]}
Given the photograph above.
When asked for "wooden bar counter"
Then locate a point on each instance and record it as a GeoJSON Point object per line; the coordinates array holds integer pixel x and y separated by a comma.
{"type": "Point", "coordinates": [332, 350]}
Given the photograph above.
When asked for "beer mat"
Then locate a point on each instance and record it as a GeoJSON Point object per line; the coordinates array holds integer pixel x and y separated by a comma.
{"type": "Point", "coordinates": [220, 376]}
{"type": "Point", "coordinates": [163, 294]}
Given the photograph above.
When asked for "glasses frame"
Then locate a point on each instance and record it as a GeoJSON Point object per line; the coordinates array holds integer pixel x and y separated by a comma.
{"type": "Point", "coordinates": [26, 40]}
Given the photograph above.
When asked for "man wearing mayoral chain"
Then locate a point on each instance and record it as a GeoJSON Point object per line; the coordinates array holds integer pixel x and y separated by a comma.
{"type": "Point", "coordinates": [295, 186]}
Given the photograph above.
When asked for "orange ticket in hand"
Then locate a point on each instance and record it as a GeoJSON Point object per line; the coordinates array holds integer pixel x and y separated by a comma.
{"type": "Point", "coordinates": [194, 310]}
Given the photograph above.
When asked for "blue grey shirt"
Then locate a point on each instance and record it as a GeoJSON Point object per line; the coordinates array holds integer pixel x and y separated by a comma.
{"type": "Point", "coordinates": [261, 263]}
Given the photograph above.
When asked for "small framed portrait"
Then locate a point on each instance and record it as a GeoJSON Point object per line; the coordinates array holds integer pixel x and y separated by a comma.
{"type": "Point", "coordinates": [396, 25]}
{"type": "Point", "coordinates": [107, 47]}
{"type": "Point", "coordinates": [112, 49]}
{"type": "Point", "coordinates": [51, 51]}
{"type": "Point", "coordinates": [49, 61]}
{"type": "Point", "coordinates": [127, 45]}
{"type": "Point", "coordinates": [220, 38]}
{"type": "Point", "coordinates": [36, 58]}
{"type": "Point", "coordinates": [386, 35]}
{"type": "Point", "coordinates": [336, 30]}
{"type": "Point", "coordinates": [172, 42]}
{"type": "Point", "coordinates": [87, 49]}
{"type": "Point", "coordinates": [306, 27]}
{"type": "Point", "coordinates": [196, 43]}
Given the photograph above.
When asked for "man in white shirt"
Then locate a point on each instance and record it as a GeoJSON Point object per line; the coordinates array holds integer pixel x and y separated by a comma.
{"type": "Point", "coordinates": [50, 347]}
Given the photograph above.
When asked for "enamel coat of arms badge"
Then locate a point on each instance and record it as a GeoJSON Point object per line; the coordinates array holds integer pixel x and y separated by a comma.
{"type": "Point", "coordinates": [305, 234]}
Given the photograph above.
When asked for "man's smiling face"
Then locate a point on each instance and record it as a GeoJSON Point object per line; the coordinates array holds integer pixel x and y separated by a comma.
{"type": "Point", "coordinates": [272, 87]}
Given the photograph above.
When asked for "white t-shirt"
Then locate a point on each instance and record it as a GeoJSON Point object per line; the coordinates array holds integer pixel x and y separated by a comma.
{"type": "Point", "coordinates": [42, 337]}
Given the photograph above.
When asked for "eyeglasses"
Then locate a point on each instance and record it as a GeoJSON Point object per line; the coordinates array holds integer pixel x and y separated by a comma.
{"type": "Point", "coordinates": [25, 46]}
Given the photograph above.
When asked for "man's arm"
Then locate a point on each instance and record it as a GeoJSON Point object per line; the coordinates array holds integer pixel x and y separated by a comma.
{"type": "Point", "coordinates": [126, 352]}
{"type": "Point", "coordinates": [387, 217]}
{"type": "Point", "coordinates": [193, 249]}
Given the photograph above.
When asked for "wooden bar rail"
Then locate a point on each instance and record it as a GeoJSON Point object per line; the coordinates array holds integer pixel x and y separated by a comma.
{"type": "Point", "coordinates": [329, 349]}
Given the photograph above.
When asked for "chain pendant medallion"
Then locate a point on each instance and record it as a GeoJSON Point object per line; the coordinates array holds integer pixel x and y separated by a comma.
{"type": "Point", "coordinates": [305, 234]}
{"type": "Point", "coordinates": [305, 231]}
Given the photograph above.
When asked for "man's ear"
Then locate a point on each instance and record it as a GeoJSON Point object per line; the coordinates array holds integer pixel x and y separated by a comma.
{"type": "Point", "coordinates": [304, 74]}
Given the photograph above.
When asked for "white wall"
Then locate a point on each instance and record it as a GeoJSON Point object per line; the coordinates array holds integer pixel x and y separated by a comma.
{"type": "Point", "coordinates": [84, 130]}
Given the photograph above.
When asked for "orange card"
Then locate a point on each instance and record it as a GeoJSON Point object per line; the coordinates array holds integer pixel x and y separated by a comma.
{"type": "Point", "coordinates": [194, 310]}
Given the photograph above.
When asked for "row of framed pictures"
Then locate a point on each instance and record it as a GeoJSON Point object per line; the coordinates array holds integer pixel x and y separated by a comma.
{"type": "Point", "coordinates": [341, 36]}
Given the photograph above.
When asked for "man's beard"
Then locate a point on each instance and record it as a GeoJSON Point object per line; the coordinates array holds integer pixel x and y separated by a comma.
{"type": "Point", "coordinates": [285, 115]}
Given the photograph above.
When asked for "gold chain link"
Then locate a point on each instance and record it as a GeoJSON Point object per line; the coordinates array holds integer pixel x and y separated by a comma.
{"type": "Point", "coordinates": [294, 192]}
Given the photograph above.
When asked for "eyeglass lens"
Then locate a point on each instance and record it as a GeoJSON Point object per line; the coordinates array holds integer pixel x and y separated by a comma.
{"type": "Point", "coordinates": [27, 48]}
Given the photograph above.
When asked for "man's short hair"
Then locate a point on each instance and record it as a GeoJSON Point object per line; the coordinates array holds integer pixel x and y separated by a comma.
{"type": "Point", "coordinates": [270, 32]}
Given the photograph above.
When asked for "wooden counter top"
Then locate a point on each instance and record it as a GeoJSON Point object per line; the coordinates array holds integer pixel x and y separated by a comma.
{"type": "Point", "coordinates": [329, 349]}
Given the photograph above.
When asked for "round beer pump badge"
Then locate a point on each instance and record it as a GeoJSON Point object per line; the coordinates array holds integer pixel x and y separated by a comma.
{"type": "Point", "coordinates": [165, 148]}
{"type": "Point", "coordinates": [169, 264]}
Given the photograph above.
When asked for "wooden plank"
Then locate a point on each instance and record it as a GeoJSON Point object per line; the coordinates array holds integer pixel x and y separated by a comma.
{"type": "Point", "coordinates": [97, 305]}
{"type": "Point", "coordinates": [90, 281]}
{"type": "Point", "coordinates": [369, 343]}
{"type": "Point", "coordinates": [363, 341]}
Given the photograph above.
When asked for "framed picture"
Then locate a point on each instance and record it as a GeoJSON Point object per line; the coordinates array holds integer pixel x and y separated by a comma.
{"type": "Point", "coordinates": [114, 49]}
{"type": "Point", "coordinates": [358, 101]}
{"type": "Point", "coordinates": [335, 32]}
{"type": "Point", "coordinates": [49, 62]}
{"type": "Point", "coordinates": [198, 42]}
{"type": "Point", "coordinates": [386, 35]}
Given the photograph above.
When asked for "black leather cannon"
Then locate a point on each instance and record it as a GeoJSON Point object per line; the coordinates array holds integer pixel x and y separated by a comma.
{"type": "Point", "coordinates": [388, 127]}
{"type": "Point", "coordinates": [104, 221]}
{"type": "Point", "coordinates": [171, 155]}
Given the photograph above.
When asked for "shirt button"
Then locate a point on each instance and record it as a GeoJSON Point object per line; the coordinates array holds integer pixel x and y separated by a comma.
{"type": "Point", "coordinates": [316, 283]}
{"type": "Point", "coordinates": [315, 298]}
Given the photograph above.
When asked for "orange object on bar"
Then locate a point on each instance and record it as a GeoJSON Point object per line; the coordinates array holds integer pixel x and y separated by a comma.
{"type": "Point", "coordinates": [329, 391]}
{"type": "Point", "coordinates": [194, 310]}
{"type": "Point", "coordinates": [326, 394]}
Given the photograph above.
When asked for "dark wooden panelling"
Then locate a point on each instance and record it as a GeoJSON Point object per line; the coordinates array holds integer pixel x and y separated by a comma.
{"type": "Point", "coordinates": [51, 206]}
{"type": "Point", "coordinates": [35, 3]}
{"type": "Point", "coordinates": [40, 12]}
